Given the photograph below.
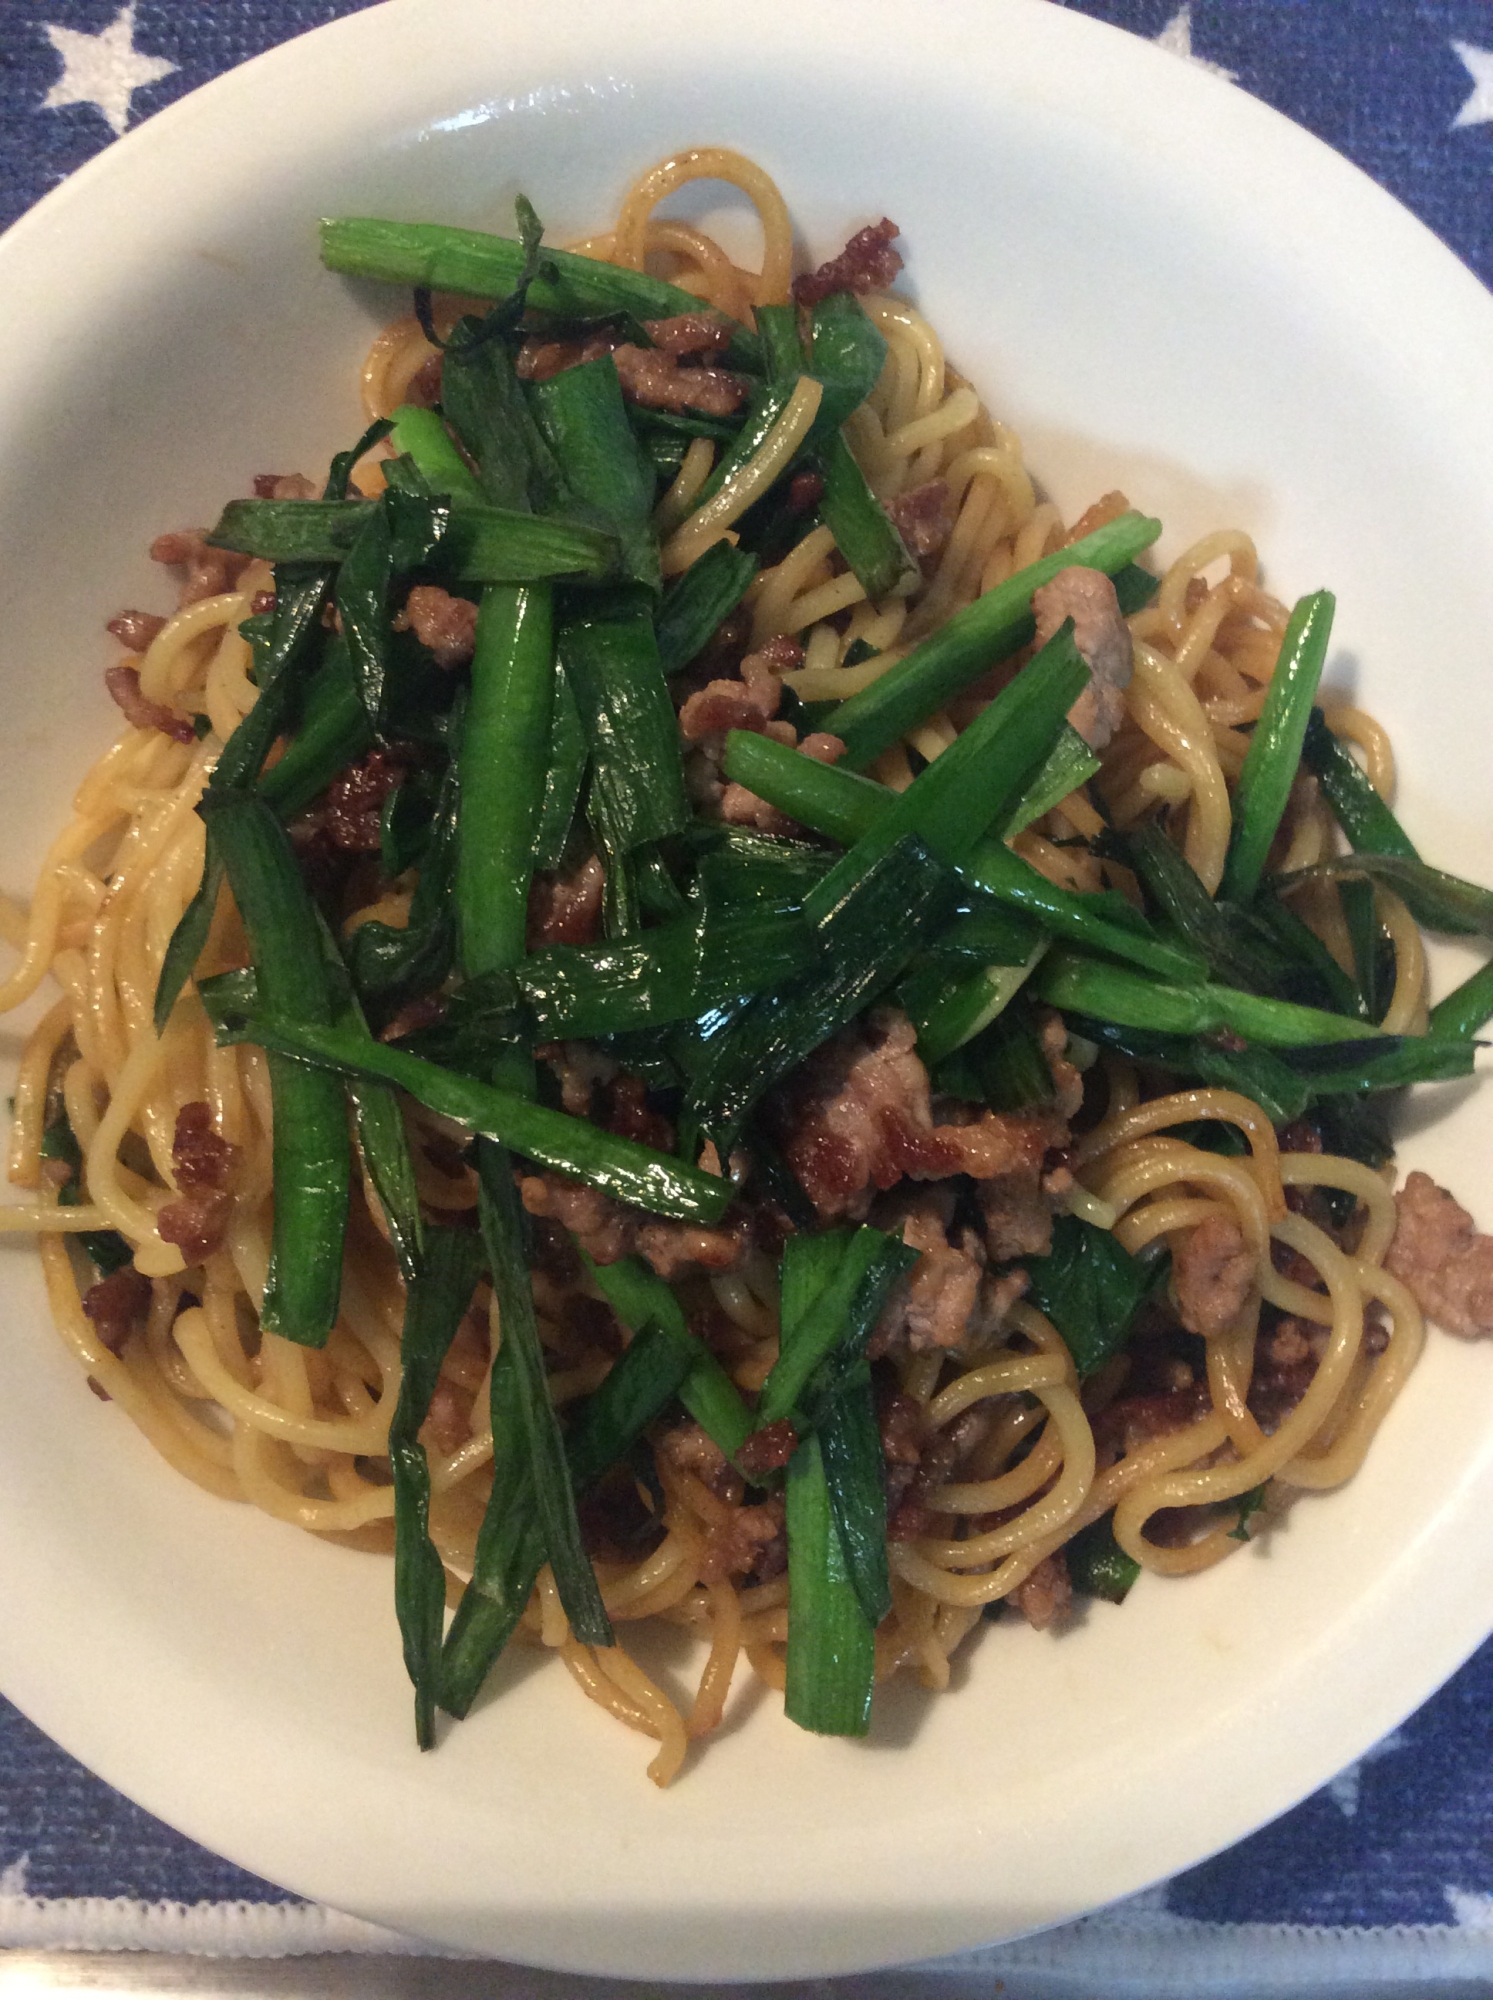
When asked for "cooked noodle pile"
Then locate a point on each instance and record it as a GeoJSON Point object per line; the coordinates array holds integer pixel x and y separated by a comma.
{"type": "Point", "coordinates": [1273, 1358]}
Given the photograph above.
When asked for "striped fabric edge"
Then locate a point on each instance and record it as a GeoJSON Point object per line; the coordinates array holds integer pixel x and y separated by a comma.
{"type": "Point", "coordinates": [1140, 1951]}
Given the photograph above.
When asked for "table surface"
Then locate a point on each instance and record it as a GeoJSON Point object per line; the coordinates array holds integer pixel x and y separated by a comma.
{"type": "Point", "coordinates": [1383, 1882]}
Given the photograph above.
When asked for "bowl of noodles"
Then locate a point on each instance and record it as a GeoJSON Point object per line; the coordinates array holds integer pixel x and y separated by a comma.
{"type": "Point", "coordinates": [855, 1068]}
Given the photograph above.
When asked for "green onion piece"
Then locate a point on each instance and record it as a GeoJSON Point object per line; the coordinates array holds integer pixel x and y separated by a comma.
{"type": "Point", "coordinates": [831, 1642]}
{"type": "Point", "coordinates": [1069, 765]}
{"type": "Point", "coordinates": [334, 732]}
{"type": "Point", "coordinates": [854, 1471]}
{"type": "Point", "coordinates": [1097, 1565]}
{"type": "Point", "coordinates": [502, 763]}
{"type": "Point", "coordinates": [845, 806]}
{"type": "Point", "coordinates": [981, 774]}
{"type": "Point", "coordinates": [1467, 1007]}
{"type": "Point", "coordinates": [584, 419]}
{"type": "Point", "coordinates": [401, 533]}
{"type": "Point", "coordinates": [502, 1220]}
{"type": "Point", "coordinates": [421, 435]}
{"type": "Point", "coordinates": [571, 1146]}
{"type": "Point", "coordinates": [1440, 901]}
{"type": "Point", "coordinates": [312, 1156]}
{"type": "Point", "coordinates": [847, 352]}
{"type": "Point", "coordinates": [481, 544]}
{"type": "Point", "coordinates": [830, 1308]}
{"type": "Point", "coordinates": [864, 532]}
{"type": "Point", "coordinates": [611, 660]}
{"type": "Point", "coordinates": [1364, 817]}
{"type": "Point", "coordinates": [566, 770]}
{"type": "Point", "coordinates": [861, 941]}
{"type": "Point", "coordinates": [1089, 1287]}
{"type": "Point", "coordinates": [1070, 980]}
{"type": "Point", "coordinates": [699, 602]}
{"type": "Point", "coordinates": [1274, 754]}
{"type": "Point", "coordinates": [989, 630]}
{"type": "Point", "coordinates": [485, 404]}
{"type": "Point", "coordinates": [437, 1299]}
{"type": "Point", "coordinates": [640, 1298]}
{"type": "Point", "coordinates": [950, 1009]}
{"type": "Point", "coordinates": [476, 265]}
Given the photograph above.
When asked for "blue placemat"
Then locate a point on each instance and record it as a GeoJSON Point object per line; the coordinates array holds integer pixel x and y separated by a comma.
{"type": "Point", "coordinates": [1384, 1881]}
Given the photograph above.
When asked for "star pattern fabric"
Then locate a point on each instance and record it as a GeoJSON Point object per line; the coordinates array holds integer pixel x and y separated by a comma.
{"type": "Point", "coordinates": [1400, 1846]}
{"type": "Point", "coordinates": [104, 70]}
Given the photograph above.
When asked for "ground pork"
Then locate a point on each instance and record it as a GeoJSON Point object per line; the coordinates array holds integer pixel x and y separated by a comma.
{"type": "Point", "coordinates": [1438, 1253]}
{"type": "Point", "coordinates": [607, 1230]}
{"type": "Point", "coordinates": [868, 263]}
{"type": "Point", "coordinates": [209, 572]}
{"type": "Point", "coordinates": [446, 626]}
{"type": "Point", "coordinates": [566, 909]}
{"type": "Point", "coordinates": [117, 1306]}
{"type": "Point", "coordinates": [135, 629]}
{"type": "Point", "coordinates": [923, 518]}
{"type": "Point", "coordinates": [1213, 1272]}
{"type": "Point", "coordinates": [688, 333]}
{"type": "Point", "coordinates": [1104, 510]}
{"type": "Point", "coordinates": [283, 486]}
{"type": "Point", "coordinates": [123, 684]}
{"type": "Point", "coordinates": [200, 1157]}
{"type": "Point", "coordinates": [1046, 1597]}
{"type": "Point", "coordinates": [1088, 597]}
{"type": "Point", "coordinates": [857, 1117]}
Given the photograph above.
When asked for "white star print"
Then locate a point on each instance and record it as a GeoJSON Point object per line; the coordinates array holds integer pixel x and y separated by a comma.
{"type": "Point", "coordinates": [104, 70]}
{"type": "Point", "coordinates": [1343, 1790]}
{"type": "Point", "coordinates": [1176, 39]}
{"type": "Point", "coordinates": [1478, 110]}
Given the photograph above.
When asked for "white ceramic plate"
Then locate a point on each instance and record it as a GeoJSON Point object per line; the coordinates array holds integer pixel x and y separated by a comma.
{"type": "Point", "coordinates": [1163, 285]}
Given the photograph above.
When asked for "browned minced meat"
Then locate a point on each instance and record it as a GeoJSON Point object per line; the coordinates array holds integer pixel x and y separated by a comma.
{"type": "Point", "coordinates": [123, 684]}
{"type": "Point", "coordinates": [200, 1157]}
{"type": "Point", "coordinates": [940, 1454]}
{"type": "Point", "coordinates": [692, 1449]}
{"type": "Point", "coordinates": [283, 486]}
{"type": "Point", "coordinates": [857, 1116]}
{"type": "Point", "coordinates": [751, 1541]}
{"type": "Point", "coordinates": [805, 490]}
{"type": "Point", "coordinates": [923, 518]}
{"type": "Point", "coordinates": [1439, 1254]}
{"type": "Point", "coordinates": [688, 333]}
{"type": "Point", "coordinates": [540, 360]}
{"type": "Point", "coordinates": [566, 909]}
{"type": "Point", "coordinates": [136, 629]}
{"type": "Point", "coordinates": [197, 1222]}
{"type": "Point", "coordinates": [1134, 1420]}
{"type": "Point", "coordinates": [209, 572]}
{"type": "Point", "coordinates": [424, 387]}
{"type": "Point", "coordinates": [445, 625]}
{"type": "Point", "coordinates": [607, 1231]}
{"type": "Point", "coordinates": [578, 1068]}
{"type": "Point", "coordinates": [1067, 1084]}
{"type": "Point", "coordinates": [1285, 1362]}
{"type": "Point", "coordinates": [868, 263]}
{"type": "Point", "coordinates": [659, 382]}
{"type": "Point", "coordinates": [1104, 510]}
{"type": "Point", "coordinates": [448, 1422]}
{"type": "Point", "coordinates": [937, 1304]}
{"type": "Point", "coordinates": [1099, 630]}
{"type": "Point", "coordinates": [1213, 1270]}
{"type": "Point", "coordinates": [352, 807]}
{"type": "Point", "coordinates": [631, 1116]}
{"type": "Point", "coordinates": [749, 702]}
{"type": "Point", "coordinates": [117, 1305]}
{"type": "Point", "coordinates": [769, 1449]}
{"type": "Point", "coordinates": [414, 1015]}
{"type": "Point", "coordinates": [1046, 1597]}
